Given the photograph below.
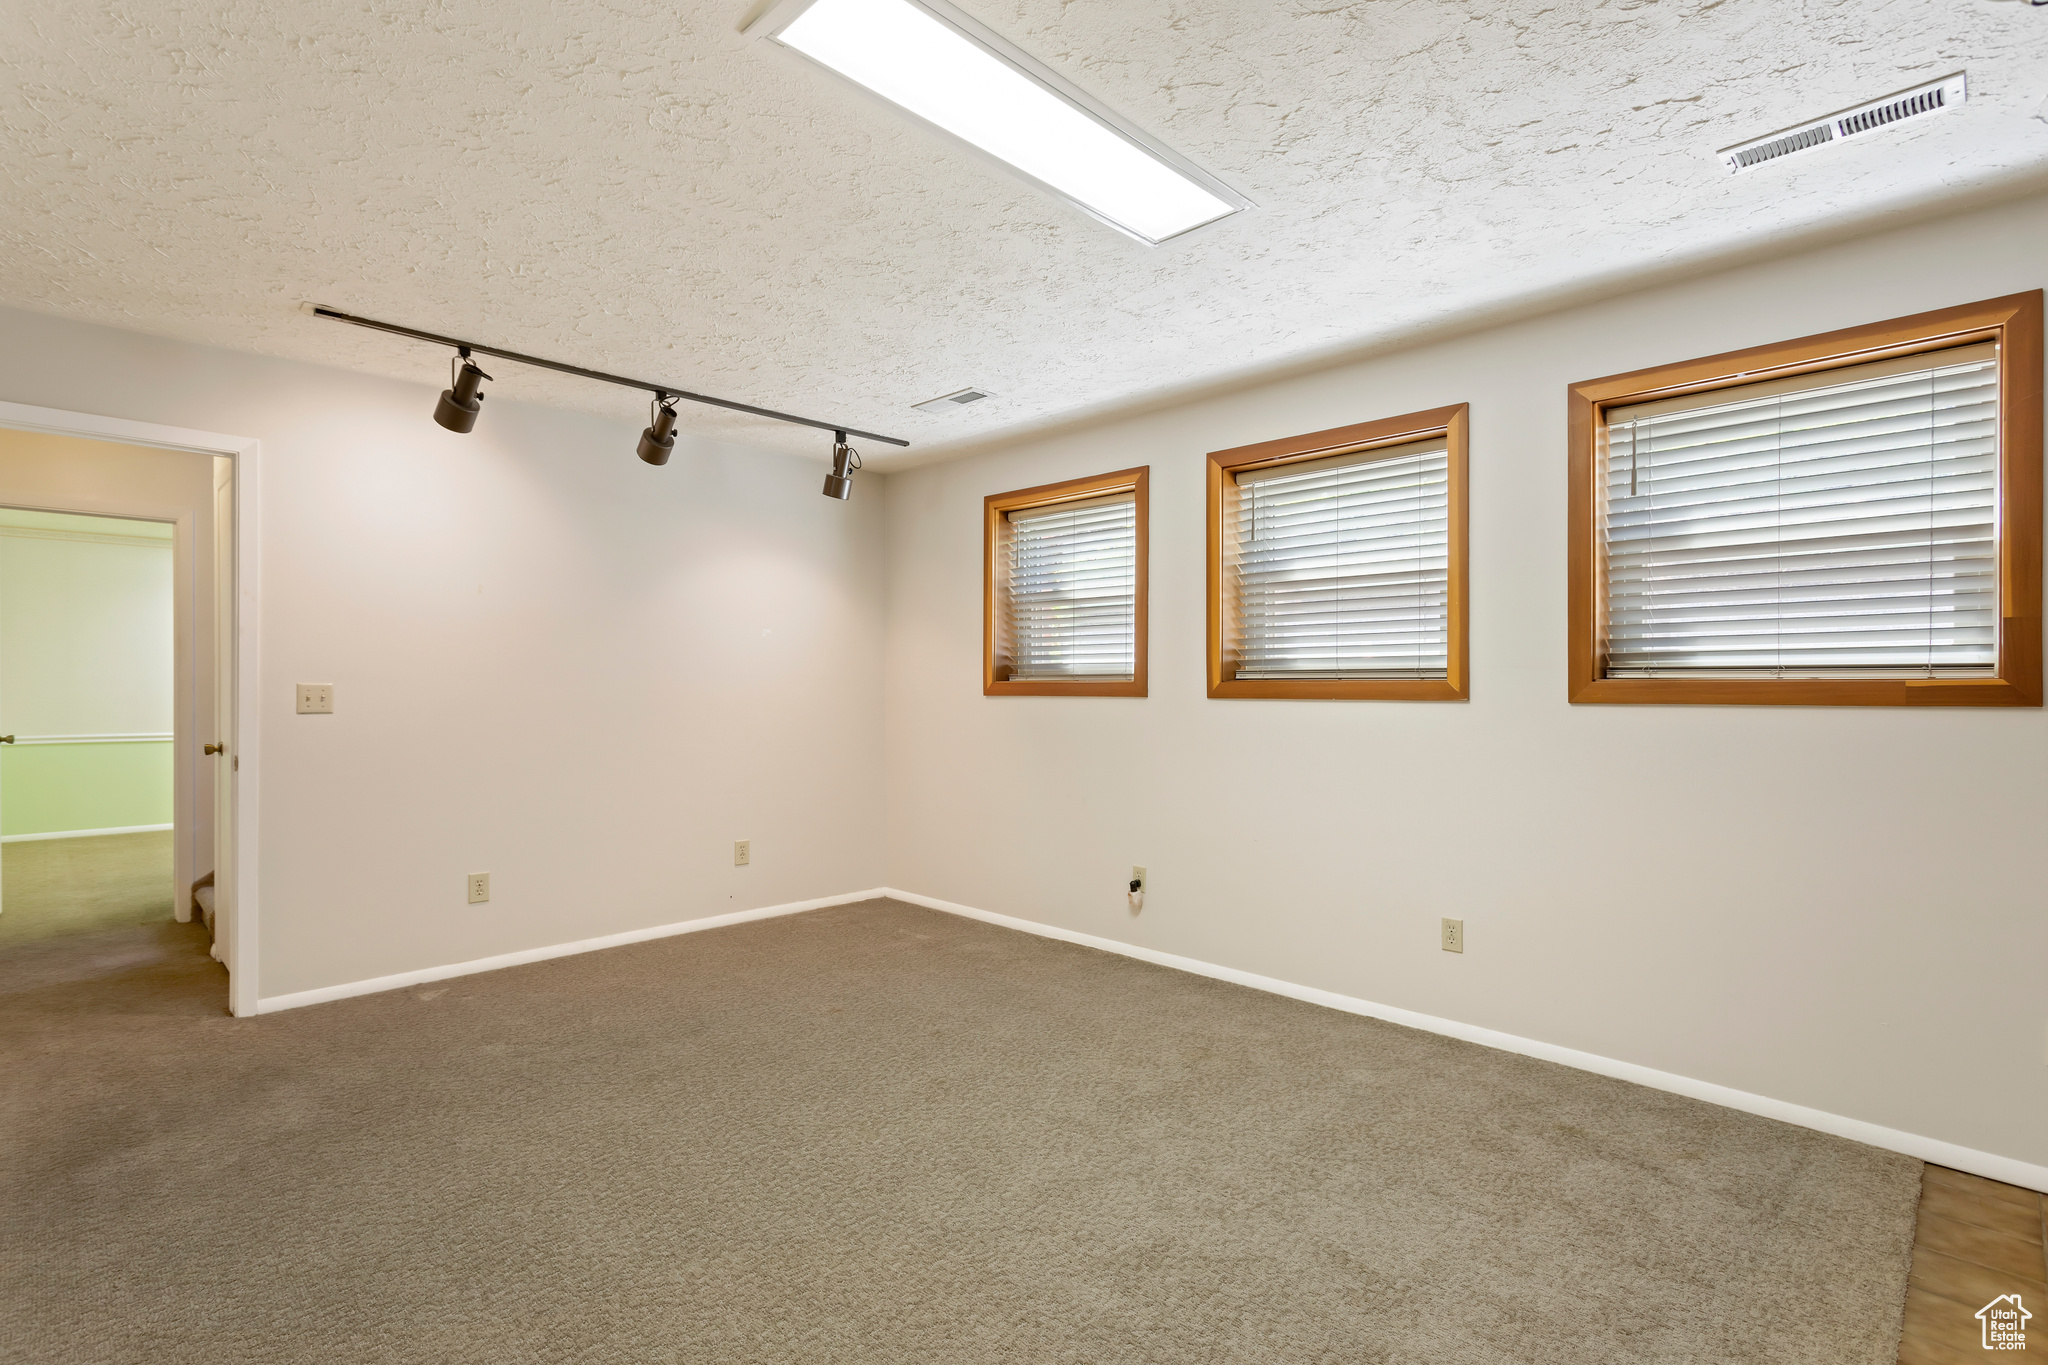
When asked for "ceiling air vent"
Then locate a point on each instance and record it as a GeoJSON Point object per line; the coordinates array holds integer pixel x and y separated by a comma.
{"type": "Point", "coordinates": [947, 402]}
{"type": "Point", "coordinates": [1932, 98]}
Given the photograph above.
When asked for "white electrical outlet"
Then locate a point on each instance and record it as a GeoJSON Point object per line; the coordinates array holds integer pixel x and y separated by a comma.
{"type": "Point", "coordinates": [316, 699]}
{"type": "Point", "coordinates": [479, 887]}
{"type": "Point", "coordinates": [742, 852]}
{"type": "Point", "coordinates": [1138, 879]}
{"type": "Point", "coordinates": [1454, 936]}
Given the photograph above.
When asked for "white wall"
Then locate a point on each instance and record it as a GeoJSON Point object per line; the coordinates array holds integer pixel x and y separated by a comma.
{"type": "Point", "coordinates": [1839, 908]}
{"type": "Point", "coordinates": [551, 661]}
{"type": "Point", "coordinates": [85, 631]}
{"type": "Point", "coordinates": [86, 648]}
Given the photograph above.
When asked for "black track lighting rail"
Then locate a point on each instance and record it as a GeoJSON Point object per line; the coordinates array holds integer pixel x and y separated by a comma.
{"type": "Point", "coordinates": [663, 390]}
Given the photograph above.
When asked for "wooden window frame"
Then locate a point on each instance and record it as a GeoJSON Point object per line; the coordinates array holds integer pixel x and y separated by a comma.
{"type": "Point", "coordinates": [996, 509]}
{"type": "Point", "coordinates": [1225, 465]}
{"type": "Point", "coordinates": [2014, 322]}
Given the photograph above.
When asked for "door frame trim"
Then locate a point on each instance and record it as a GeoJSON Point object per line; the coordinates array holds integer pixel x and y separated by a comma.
{"type": "Point", "coordinates": [242, 956]}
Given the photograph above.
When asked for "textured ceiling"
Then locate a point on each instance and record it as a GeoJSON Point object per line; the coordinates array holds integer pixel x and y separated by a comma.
{"type": "Point", "coordinates": [634, 186]}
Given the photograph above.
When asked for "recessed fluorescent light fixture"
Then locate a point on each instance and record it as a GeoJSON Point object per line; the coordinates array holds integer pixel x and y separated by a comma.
{"type": "Point", "coordinates": [942, 67]}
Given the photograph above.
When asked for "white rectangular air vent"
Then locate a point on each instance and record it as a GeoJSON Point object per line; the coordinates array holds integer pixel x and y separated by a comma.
{"type": "Point", "coordinates": [946, 402]}
{"type": "Point", "coordinates": [1932, 98]}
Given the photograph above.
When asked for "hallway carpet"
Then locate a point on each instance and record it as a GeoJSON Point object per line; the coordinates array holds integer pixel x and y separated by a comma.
{"type": "Point", "coordinates": [68, 886]}
{"type": "Point", "coordinates": [880, 1133]}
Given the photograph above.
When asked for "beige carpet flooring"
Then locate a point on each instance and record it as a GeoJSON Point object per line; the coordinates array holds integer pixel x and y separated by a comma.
{"type": "Point", "coordinates": [880, 1133]}
{"type": "Point", "coordinates": [67, 886]}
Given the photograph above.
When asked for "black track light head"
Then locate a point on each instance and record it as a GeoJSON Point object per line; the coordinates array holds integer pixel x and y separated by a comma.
{"type": "Point", "coordinates": [460, 404]}
{"type": "Point", "coordinates": [658, 442]}
{"type": "Point", "coordinates": [845, 459]}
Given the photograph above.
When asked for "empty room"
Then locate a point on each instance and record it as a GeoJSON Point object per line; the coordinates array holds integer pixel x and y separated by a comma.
{"type": "Point", "coordinates": [769, 681]}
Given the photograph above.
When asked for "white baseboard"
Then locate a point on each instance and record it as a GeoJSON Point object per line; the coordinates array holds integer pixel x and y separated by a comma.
{"type": "Point", "coordinates": [1987, 1164]}
{"type": "Point", "coordinates": [322, 994]}
{"type": "Point", "coordinates": [83, 833]}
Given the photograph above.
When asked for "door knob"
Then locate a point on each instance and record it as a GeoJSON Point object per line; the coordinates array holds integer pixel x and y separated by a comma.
{"type": "Point", "coordinates": [216, 748]}
{"type": "Point", "coordinates": [6, 739]}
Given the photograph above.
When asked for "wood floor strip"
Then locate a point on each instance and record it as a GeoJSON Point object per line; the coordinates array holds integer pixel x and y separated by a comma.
{"type": "Point", "coordinates": [2000, 1215]}
{"type": "Point", "coordinates": [1921, 1350]}
{"type": "Point", "coordinates": [1973, 1285]}
{"type": "Point", "coordinates": [1997, 1251]}
{"type": "Point", "coordinates": [1941, 1322]}
{"type": "Point", "coordinates": [1975, 1240]}
{"type": "Point", "coordinates": [1977, 1184]}
{"type": "Point", "coordinates": [1918, 1350]}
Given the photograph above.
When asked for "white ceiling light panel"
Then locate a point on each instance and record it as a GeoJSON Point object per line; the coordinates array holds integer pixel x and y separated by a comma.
{"type": "Point", "coordinates": [942, 67]}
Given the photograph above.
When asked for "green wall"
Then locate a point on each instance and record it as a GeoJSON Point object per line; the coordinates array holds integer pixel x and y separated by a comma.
{"type": "Point", "coordinates": [45, 788]}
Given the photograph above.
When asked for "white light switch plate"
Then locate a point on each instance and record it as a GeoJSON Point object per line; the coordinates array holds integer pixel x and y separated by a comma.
{"type": "Point", "coordinates": [316, 699]}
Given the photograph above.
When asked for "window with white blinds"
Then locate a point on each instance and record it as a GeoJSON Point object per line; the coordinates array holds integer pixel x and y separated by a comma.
{"type": "Point", "coordinates": [1837, 524]}
{"type": "Point", "coordinates": [1342, 566]}
{"type": "Point", "coordinates": [1072, 590]}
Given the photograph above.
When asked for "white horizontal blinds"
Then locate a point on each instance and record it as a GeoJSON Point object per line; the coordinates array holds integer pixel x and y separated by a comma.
{"type": "Point", "coordinates": [1838, 524]}
{"type": "Point", "coordinates": [1343, 566]}
{"type": "Point", "coordinates": [1073, 590]}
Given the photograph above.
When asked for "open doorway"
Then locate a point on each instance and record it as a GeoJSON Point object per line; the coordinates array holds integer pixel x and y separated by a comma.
{"type": "Point", "coordinates": [88, 674]}
{"type": "Point", "coordinates": [121, 650]}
